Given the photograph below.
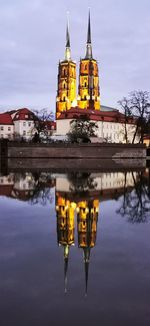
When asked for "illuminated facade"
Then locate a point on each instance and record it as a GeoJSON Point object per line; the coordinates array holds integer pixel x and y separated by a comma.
{"type": "Point", "coordinates": [66, 91]}
{"type": "Point", "coordinates": [88, 91]}
{"type": "Point", "coordinates": [65, 228]}
{"type": "Point", "coordinates": [87, 217]}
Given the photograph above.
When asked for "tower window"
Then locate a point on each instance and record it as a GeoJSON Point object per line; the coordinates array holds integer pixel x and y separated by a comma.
{"type": "Point", "coordinates": [64, 86]}
{"type": "Point", "coordinates": [64, 98]}
{"type": "Point", "coordinates": [84, 97]}
{"type": "Point", "coordinates": [85, 67]}
{"type": "Point", "coordinates": [85, 84]}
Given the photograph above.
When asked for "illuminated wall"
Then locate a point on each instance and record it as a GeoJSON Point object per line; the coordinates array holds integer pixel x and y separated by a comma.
{"type": "Point", "coordinates": [66, 92]}
{"type": "Point", "coordinates": [88, 91]}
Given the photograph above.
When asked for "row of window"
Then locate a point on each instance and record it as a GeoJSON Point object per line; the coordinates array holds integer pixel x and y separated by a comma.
{"type": "Point", "coordinates": [112, 126]}
{"type": "Point", "coordinates": [24, 124]}
{"type": "Point", "coordinates": [26, 116]}
{"type": "Point", "coordinates": [2, 128]}
{"type": "Point", "coordinates": [65, 73]}
{"type": "Point", "coordinates": [9, 136]}
{"type": "Point", "coordinates": [27, 124]}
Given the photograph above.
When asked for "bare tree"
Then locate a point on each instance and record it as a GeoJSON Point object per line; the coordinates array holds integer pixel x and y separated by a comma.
{"type": "Point", "coordinates": [125, 106]}
{"type": "Point", "coordinates": [140, 104]}
{"type": "Point", "coordinates": [42, 124]}
{"type": "Point", "coordinates": [138, 107]}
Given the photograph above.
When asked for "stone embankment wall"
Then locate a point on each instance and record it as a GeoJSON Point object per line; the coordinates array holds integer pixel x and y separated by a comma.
{"type": "Point", "coordinates": [97, 151]}
{"type": "Point", "coordinates": [64, 157]}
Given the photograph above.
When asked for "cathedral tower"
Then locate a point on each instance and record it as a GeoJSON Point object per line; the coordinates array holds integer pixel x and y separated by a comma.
{"type": "Point", "coordinates": [88, 92]}
{"type": "Point", "coordinates": [66, 91]}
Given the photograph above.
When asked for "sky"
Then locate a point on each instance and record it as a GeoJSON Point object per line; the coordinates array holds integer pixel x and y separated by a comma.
{"type": "Point", "coordinates": [32, 41]}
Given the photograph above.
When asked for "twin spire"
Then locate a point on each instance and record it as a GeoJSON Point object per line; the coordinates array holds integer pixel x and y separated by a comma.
{"type": "Point", "coordinates": [88, 43]}
{"type": "Point", "coordinates": [68, 49]}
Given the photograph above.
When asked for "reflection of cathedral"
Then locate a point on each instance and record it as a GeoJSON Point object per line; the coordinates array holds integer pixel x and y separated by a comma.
{"type": "Point", "coordinates": [87, 217]}
{"type": "Point", "coordinates": [77, 202]}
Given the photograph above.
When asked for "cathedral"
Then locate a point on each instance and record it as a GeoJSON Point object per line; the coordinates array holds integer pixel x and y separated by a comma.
{"type": "Point", "coordinates": [85, 101]}
{"type": "Point", "coordinates": [88, 89]}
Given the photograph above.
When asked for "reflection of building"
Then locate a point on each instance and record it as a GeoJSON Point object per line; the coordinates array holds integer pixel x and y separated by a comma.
{"type": "Point", "coordinates": [24, 186]}
{"type": "Point", "coordinates": [87, 216]}
{"type": "Point", "coordinates": [65, 228]}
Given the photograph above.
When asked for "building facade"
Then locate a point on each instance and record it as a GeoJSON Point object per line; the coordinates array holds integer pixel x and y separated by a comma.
{"type": "Point", "coordinates": [112, 125]}
{"type": "Point", "coordinates": [66, 90]}
{"type": "Point", "coordinates": [88, 90]}
{"type": "Point", "coordinates": [17, 124]}
{"type": "Point", "coordinates": [6, 126]}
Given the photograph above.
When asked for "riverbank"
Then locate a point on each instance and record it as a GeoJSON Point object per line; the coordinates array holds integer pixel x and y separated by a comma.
{"type": "Point", "coordinates": [71, 151]}
{"type": "Point", "coordinates": [64, 157]}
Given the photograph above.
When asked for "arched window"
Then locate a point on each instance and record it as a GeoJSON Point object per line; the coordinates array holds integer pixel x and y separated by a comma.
{"type": "Point", "coordinates": [64, 98]}
{"type": "Point", "coordinates": [84, 97]}
{"type": "Point", "coordinates": [85, 67]}
{"type": "Point", "coordinates": [85, 84]}
{"type": "Point", "coordinates": [64, 85]}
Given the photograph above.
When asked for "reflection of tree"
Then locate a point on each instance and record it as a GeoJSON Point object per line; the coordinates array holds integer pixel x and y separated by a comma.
{"type": "Point", "coordinates": [41, 193]}
{"type": "Point", "coordinates": [136, 203]}
{"type": "Point", "coordinates": [81, 182]}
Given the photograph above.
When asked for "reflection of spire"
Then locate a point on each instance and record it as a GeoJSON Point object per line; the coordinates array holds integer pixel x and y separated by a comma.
{"type": "Point", "coordinates": [66, 256]}
{"type": "Point", "coordinates": [86, 266]}
{"type": "Point", "coordinates": [88, 44]}
{"type": "Point", "coordinates": [68, 50]}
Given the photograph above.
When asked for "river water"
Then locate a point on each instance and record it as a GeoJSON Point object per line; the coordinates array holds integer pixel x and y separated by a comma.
{"type": "Point", "coordinates": [75, 248]}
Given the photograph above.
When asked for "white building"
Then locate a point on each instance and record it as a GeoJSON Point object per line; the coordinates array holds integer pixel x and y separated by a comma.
{"type": "Point", "coordinates": [111, 124]}
{"type": "Point", "coordinates": [24, 123]}
{"type": "Point", "coordinates": [6, 126]}
{"type": "Point", "coordinates": [17, 124]}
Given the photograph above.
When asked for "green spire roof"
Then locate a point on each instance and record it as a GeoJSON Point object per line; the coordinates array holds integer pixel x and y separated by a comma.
{"type": "Point", "coordinates": [68, 50]}
{"type": "Point", "coordinates": [89, 43]}
{"type": "Point", "coordinates": [67, 36]}
{"type": "Point", "coordinates": [89, 30]}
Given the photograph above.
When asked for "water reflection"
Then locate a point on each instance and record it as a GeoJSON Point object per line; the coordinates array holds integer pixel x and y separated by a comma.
{"type": "Point", "coordinates": [132, 189]}
{"type": "Point", "coordinates": [135, 205]}
{"type": "Point", "coordinates": [87, 217]}
{"type": "Point", "coordinates": [27, 186]}
{"type": "Point", "coordinates": [77, 201]}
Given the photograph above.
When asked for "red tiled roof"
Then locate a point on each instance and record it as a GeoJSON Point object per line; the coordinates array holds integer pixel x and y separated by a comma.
{"type": "Point", "coordinates": [5, 119]}
{"type": "Point", "coordinates": [24, 114]}
{"type": "Point", "coordinates": [51, 125]}
{"type": "Point", "coordinates": [146, 136]}
{"type": "Point", "coordinates": [108, 116]}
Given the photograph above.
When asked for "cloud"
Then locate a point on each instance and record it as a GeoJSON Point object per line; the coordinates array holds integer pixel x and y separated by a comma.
{"type": "Point", "coordinates": [32, 41]}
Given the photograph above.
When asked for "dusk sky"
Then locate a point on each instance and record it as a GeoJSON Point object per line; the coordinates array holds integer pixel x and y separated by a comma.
{"type": "Point", "coordinates": [32, 41]}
